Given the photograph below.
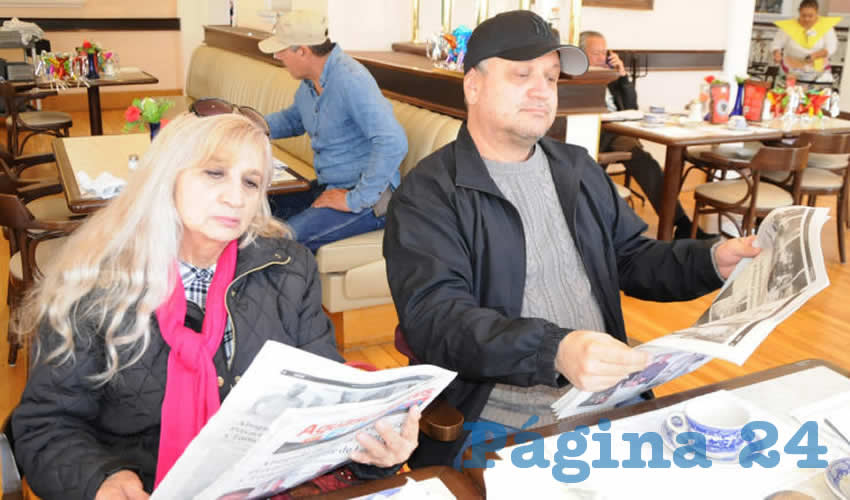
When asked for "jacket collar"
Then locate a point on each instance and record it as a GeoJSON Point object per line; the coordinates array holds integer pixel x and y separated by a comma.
{"type": "Point", "coordinates": [259, 253]}
{"type": "Point", "coordinates": [471, 172]}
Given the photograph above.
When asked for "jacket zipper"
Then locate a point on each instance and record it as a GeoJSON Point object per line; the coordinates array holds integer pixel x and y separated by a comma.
{"type": "Point", "coordinates": [227, 293]}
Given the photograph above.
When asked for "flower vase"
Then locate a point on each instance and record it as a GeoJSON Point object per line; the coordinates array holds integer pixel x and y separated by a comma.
{"type": "Point", "coordinates": [154, 130]}
{"type": "Point", "coordinates": [738, 109]}
{"type": "Point", "coordinates": [92, 74]}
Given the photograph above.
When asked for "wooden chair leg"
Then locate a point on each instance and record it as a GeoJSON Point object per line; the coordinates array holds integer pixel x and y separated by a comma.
{"type": "Point", "coordinates": [695, 219]}
{"type": "Point", "coordinates": [841, 209]}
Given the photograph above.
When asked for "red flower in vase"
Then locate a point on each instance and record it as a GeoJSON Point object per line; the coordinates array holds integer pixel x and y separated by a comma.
{"type": "Point", "coordinates": [132, 114]}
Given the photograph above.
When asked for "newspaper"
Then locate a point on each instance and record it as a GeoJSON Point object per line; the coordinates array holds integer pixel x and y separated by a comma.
{"type": "Point", "coordinates": [293, 416]}
{"type": "Point", "coordinates": [761, 293]}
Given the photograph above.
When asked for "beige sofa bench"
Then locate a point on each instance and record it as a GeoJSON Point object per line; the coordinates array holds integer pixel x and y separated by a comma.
{"type": "Point", "coordinates": [353, 273]}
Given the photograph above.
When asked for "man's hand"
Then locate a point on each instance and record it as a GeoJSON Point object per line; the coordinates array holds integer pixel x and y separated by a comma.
{"type": "Point", "coordinates": [730, 252]}
{"type": "Point", "coordinates": [332, 198]}
{"type": "Point", "coordinates": [396, 447]}
{"type": "Point", "coordinates": [123, 485]}
{"type": "Point", "coordinates": [594, 361]}
{"type": "Point", "coordinates": [615, 62]}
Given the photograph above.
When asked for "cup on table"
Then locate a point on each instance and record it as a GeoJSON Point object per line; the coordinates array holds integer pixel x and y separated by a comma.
{"type": "Point", "coordinates": [737, 122]}
{"type": "Point", "coordinates": [720, 419]}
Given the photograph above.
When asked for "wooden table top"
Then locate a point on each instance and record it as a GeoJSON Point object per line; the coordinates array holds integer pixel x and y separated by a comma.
{"type": "Point", "coordinates": [95, 155]}
{"type": "Point", "coordinates": [457, 482]}
{"type": "Point", "coordinates": [674, 134]}
{"type": "Point", "coordinates": [129, 77]}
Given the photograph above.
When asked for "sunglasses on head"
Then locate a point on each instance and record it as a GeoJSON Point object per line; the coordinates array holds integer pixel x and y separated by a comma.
{"type": "Point", "coordinates": [213, 106]}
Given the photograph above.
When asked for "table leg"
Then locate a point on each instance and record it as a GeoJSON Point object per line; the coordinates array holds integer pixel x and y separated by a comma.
{"type": "Point", "coordinates": [670, 193]}
{"type": "Point", "coordinates": [95, 118]}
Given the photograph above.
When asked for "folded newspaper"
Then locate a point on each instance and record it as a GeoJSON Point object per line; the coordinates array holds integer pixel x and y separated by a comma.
{"type": "Point", "coordinates": [293, 416]}
{"type": "Point", "coordinates": [761, 293]}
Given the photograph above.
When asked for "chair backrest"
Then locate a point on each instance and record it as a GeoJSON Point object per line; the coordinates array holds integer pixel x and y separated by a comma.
{"type": "Point", "coordinates": [825, 143]}
{"type": "Point", "coordinates": [403, 347]}
{"type": "Point", "coordinates": [15, 215]}
{"type": "Point", "coordinates": [17, 219]}
{"type": "Point", "coordinates": [770, 158]}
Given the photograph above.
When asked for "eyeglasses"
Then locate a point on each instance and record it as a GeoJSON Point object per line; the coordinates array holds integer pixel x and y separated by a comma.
{"type": "Point", "coordinates": [212, 106]}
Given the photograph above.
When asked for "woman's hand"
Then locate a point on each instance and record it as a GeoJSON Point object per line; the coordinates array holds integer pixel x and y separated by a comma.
{"type": "Point", "coordinates": [123, 485]}
{"type": "Point", "coordinates": [396, 447]}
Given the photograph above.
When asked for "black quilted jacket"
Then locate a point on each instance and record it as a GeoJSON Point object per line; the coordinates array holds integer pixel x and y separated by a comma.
{"type": "Point", "coordinates": [69, 436]}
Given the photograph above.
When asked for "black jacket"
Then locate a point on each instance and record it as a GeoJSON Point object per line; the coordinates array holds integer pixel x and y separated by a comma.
{"type": "Point", "coordinates": [455, 252]}
{"type": "Point", "coordinates": [69, 436]}
{"type": "Point", "coordinates": [625, 97]}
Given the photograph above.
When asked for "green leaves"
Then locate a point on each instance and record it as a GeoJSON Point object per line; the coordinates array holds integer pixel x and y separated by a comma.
{"type": "Point", "coordinates": [145, 110]}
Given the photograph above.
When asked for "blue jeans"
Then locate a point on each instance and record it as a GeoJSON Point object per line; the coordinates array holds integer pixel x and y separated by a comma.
{"type": "Point", "coordinates": [314, 227]}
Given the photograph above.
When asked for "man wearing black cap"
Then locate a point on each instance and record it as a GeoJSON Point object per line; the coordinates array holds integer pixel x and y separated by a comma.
{"type": "Point", "coordinates": [507, 250]}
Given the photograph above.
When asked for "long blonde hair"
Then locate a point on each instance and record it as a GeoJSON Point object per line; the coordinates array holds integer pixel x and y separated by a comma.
{"type": "Point", "coordinates": [120, 259]}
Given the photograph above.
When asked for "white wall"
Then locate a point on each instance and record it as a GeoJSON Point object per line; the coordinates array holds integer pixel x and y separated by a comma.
{"type": "Point", "coordinates": [679, 25]}
{"type": "Point", "coordinates": [194, 14]}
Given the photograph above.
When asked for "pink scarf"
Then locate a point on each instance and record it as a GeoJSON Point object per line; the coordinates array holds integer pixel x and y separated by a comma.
{"type": "Point", "coordinates": [191, 391]}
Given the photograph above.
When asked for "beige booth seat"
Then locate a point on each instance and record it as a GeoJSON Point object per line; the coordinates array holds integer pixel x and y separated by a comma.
{"type": "Point", "coordinates": [353, 272]}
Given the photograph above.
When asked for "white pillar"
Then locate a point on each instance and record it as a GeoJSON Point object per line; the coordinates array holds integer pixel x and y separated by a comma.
{"type": "Point", "coordinates": [739, 33]}
{"type": "Point", "coordinates": [844, 90]}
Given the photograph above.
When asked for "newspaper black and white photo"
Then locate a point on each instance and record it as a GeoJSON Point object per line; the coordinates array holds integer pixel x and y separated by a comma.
{"type": "Point", "coordinates": [293, 416]}
{"type": "Point", "coordinates": [761, 293]}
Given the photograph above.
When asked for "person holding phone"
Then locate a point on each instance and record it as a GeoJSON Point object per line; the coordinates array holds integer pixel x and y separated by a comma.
{"type": "Point", "coordinates": [621, 95]}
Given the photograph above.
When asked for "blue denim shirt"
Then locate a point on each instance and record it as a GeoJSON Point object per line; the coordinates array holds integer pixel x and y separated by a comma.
{"type": "Point", "coordinates": [357, 143]}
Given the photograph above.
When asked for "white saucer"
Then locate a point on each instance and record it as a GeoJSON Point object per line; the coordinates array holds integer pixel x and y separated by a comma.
{"type": "Point", "coordinates": [837, 476]}
{"type": "Point", "coordinates": [668, 436]}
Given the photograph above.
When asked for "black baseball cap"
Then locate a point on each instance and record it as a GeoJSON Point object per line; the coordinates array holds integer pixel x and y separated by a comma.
{"type": "Point", "coordinates": [520, 35]}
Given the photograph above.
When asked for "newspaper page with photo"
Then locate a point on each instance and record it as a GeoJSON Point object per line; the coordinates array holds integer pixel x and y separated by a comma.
{"type": "Point", "coordinates": [293, 416]}
{"type": "Point", "coordinates": [761, 293]}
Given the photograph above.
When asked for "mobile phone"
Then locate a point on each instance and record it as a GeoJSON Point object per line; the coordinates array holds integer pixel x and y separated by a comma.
{"type": "Point", "coordinates": [608, 59]}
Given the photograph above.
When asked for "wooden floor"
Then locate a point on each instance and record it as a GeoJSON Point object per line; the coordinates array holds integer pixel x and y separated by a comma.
{"type": "Point", "coordinates": [820, 329]}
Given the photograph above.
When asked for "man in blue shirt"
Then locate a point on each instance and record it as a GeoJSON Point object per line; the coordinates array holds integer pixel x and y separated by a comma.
{"type": "Point", "coordinates": [357, 143]}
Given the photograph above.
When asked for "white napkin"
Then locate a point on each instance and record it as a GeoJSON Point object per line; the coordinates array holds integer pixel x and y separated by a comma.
{"type": "Point", "coordinates": [626, 114]}
{"type": "Point", "coordinates": [280, 171]}
{"type": "Point", "coordinates": [837, 410]}
{"type": "Point", "coordinates": [104, 186]}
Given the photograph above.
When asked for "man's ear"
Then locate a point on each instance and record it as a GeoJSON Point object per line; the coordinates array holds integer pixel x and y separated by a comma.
{"type": "Point", "coordinates": [472, 86]}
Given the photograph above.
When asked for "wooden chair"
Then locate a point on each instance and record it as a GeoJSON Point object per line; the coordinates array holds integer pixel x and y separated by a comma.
{"type": "Point", "coordinates": [30, 123]}
{"type": "Point", "coordinates": [612, 162]}
{"type": "Point", "coordinates": [748, 196]}
{"type": "Point", "coordinates": [33, 241]}
{"type": "Point", "coordinates": [826, 175]}
{"type": "Point", "coordinates": [695, 156]}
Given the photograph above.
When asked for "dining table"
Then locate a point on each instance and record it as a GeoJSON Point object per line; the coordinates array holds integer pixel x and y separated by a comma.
{"type": "Point", "coordinates": [678, 134]}
{"type": "Point", "coordinates": [95, 156]}
{"type": "Point", "coordinates": [125, 76]}
{"type": "Point", "coordinates": [786, 396]}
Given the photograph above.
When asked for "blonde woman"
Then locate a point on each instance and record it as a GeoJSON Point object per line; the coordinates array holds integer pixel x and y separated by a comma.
{"type": "Point", "coordinates": [104, 414]}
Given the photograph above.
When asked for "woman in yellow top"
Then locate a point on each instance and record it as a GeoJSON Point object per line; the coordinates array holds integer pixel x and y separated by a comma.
{"type": "Point", "coordinates": [802, 46]}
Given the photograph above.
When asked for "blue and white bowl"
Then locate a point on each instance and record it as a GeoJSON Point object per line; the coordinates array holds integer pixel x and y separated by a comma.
{"type": "Point", "coordinates": [837, 476]}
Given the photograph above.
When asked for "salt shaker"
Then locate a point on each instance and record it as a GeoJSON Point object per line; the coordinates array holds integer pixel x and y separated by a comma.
{"type": "Point", "coordinates": [133, 162]}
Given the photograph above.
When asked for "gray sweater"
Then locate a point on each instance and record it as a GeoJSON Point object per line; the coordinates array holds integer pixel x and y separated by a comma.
{"type": "Point", "coordinates": [556, 288]}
